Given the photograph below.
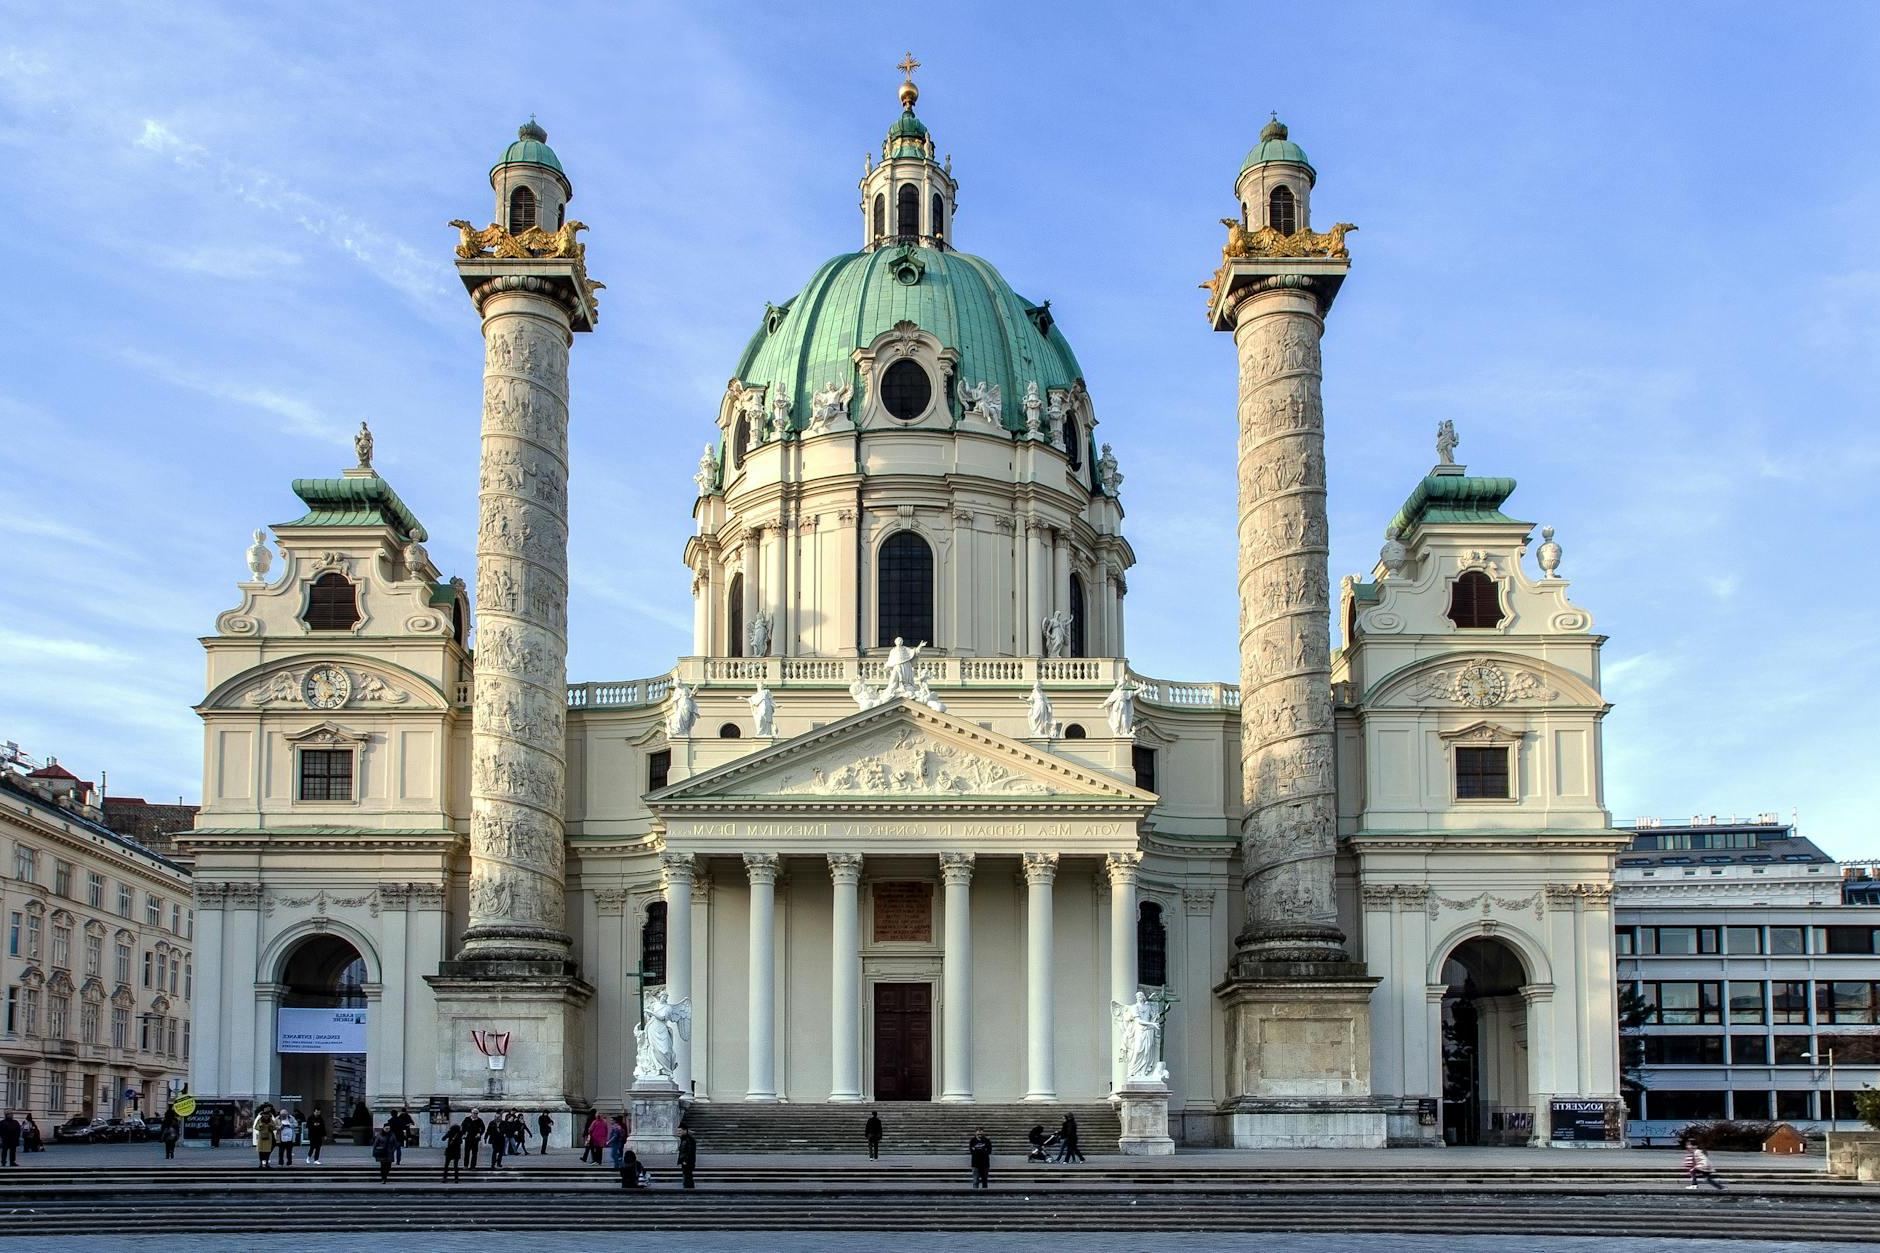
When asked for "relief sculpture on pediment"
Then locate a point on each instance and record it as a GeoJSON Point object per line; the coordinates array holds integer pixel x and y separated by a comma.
{"type": "Point", "coordinates": [908, 763]}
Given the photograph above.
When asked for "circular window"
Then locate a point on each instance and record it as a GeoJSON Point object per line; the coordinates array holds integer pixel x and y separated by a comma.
{"type": "Point", "coordinates": [729, 731]}
{"type": "Point", "coordinates": [1075, 731]}
{"type": "Point", "coordinates": [906, 390]}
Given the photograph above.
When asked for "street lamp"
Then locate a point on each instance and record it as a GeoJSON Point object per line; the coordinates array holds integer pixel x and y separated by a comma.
{"type": "Point", "coordinates": [1828, 1145]}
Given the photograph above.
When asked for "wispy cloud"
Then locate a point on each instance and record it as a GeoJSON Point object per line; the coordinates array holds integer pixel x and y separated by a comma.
{"type": "Point", "coordinates": [295, 414]}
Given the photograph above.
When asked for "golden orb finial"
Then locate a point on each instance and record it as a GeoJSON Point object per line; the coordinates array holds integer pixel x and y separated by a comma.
{"type": "Point", "coordinates": [909, 92]}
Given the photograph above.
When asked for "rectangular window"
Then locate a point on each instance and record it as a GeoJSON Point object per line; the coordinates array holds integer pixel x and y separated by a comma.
{"type": "Point", "coordinates": [88, 1022]}
{"type": "Point", "coordinates": [153, 910]}
{"type": "Point", "coordinates": [1749, 1050]}
{"type": "Point", "coordinates": [1753, 1106]}
{"type": "Point", "coordinates": [1685, 1003]}
{"type": "Point", "coordinates": [1481, 774]}
{"type": "Point", "coordinates": [1786, 941]}
{"type": "Point", "coordinates": [1793, 1105]}
{"type": "Point", "coordinates": [94, 954]}
{"type": "Point", "coordinates": [1625, 941]}
{"type": "Point", "coordinates": [658, 769]}
{"type": "Point", "coordinates": [189, 979]}
{"type": "Point", "coordinates": [1843, 1105]}
{"type": "Point", "coordinates": [326, 774]}
{"type": "Point", "coordinates": [1746, 1002]}
{"type": "Point", "coordinates": [143, 1033]}
{"type": "Point", "coordinates": [1744, 941]}
{"type": "Point", "coordinates": [1671, 1105]}
{"type": "Point", "coordinates": [123, 963]}
{"type": "Point", "coordinates": [1788, 1002]}
{"type": "Point", "coordinates": [1684, 1050]}
{"type": "Point", "coordinates": [170, 1036]}
{"type": "Point", "coordinates": [62, 948]}
{"type": "Point", "coordinates": [94, 889]}
{"type": "Point", "coordinates": [1685, 941]}
{"type": "Point", "coordinates": [14, 924]}
{"type": "Point", "coordinates": [176, 973]}
{"type": "Point", "coordinates": [150, 961]}
{"type": "Point", "coordinates": [19, 1083]}
{"type": "Point", "coordinates": [185, 1039]}
{"type": "Point", "coordinates": [176, 918]}
{"type": "Point", "coordinates": [1142, 760]}
{"type": "Point", "coordinates": [31, 1011]}
{"type": "Point", "coordinates": [58, 1009]}
{"type": "Point", "coordinates": [13, 1009]}
{"type": "Point", "coordinates": [1792, 1050]}
{"type": "Point", "coordinates": [25, 864]}
{"type": "Point", "coordinates": [55, 1091]}
{"type": "Point", "coordinates": [1858, 940]}
{"type": "Point", "coordinates": [32, 936]}
{"type": "Point", "coordinates": [163, 969]}
{"type": "Point", "coordinates": [124, 901]}
{"type": "Point", "coordinates": [1844, 1001]}
{"type": "Point", "coordinates": [62, 878]}
{"type": "Point", "coordinates": [120, 1028]}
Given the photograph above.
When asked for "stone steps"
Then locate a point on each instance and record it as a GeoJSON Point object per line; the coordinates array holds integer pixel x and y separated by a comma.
{"type": "Point", "coordinates": [735, 1127]}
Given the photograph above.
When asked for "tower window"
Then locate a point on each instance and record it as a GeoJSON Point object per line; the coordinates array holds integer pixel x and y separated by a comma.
{"type": "Point", "coordinates": [907, 211]}
{"type": "Point", "coordinates": [734, 617]}
{"type": "Point", "coordinates": [1282, 211]}
{"type": "Point", "coordinates": [1151, 946]}
{"type": "Point", "coordinates": [937, 219]}
{"type": "Point", "coordinates": [653, 943]}
{"type": "Point", "coordinates": [1074, 443]}
{"type": "Point", "coordinates": [326, 774]}
{"type": "Point", "coordinates": [906, 390]}
{"type": "Point", "coordinates": [658, 769]}
{"type": "Point", "coordinates": [1475, 601]}
{"type": "Point", "coordinates": [904, 589]}
{"type": "Point", "coordinates": [1481, 774]}
{"type": "Point", "coordinates": [1077, 617]}
{"type": "Point", "coordinates": [1143, 759]}
{"type": "Point", "coordinates": [881, 215]}
{"type": "Point", "coordinates": [522, 210]}
{"type": "Point", "coordinates": [740, 437]}
{"type": "Point", "coordinates": [332, 603]}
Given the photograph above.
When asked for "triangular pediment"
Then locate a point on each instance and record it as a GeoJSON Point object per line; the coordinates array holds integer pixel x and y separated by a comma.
{"type": "Point", "coordinates": [899, 752]}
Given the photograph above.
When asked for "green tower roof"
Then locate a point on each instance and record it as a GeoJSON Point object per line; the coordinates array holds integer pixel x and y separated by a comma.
{"type": "Point", "coordinates": [1274, 146]}
{"type": "Point", "coordinates": [1454, 498]}
{"type": "Point", "coordinates": [531, 148]}
{"type": "Point", "coordinates": [359, 501]}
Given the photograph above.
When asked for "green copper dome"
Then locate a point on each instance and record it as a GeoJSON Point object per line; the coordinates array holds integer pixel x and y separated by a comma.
{"type": "Point", "coordinates": [959, 299]}
{"type": "Point", "coordinates": [907, 126]}
{"type": "Point", "coordinates": [1274, 146]}
{"type": "Point", "coordinates": [531, 148]}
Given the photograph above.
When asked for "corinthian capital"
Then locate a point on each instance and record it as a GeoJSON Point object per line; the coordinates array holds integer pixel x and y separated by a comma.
{"type": "Point", "coordinates": [1040, 868]}
{"type": "Point", "coordinates": [956, 868]}
{"type": "Point", "coordinates": [761, 867]}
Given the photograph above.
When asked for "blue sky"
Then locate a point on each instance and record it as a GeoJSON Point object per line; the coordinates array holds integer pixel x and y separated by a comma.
{"type": "Point", "coordinates": [1628, 250]}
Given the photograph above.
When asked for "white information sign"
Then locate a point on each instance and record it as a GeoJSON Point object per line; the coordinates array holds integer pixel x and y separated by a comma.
{"type": "Point", "coordinates": [320, 1031]}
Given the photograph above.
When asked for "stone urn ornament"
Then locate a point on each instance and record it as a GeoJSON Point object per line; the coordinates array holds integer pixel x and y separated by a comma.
{"type": "Point", "coordinates": [1549, 554]}
{"type": "Point", "coordinates": [1394, 556]}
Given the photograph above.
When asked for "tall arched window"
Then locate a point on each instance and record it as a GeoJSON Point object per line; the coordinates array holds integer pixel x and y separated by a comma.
{"type": "Point", "coordinates": [881, 215]}
{"type": "Point", "coordinates": [740, 436]}
{"type": "Point", "coordinates": [332, 603]}
{"type": "Point", "coordinates": [653, 943]}
{"type": "Point", "coordinates": [907, 211]}
{"type": "Point", "coordinates": [904, 589]}
{"type": "Point", "coordinates": [1282, 211]}
{"type": "Point", "coordinates": [1077, 616]}
{"type": "Point", "coordinates": [734, 617]}
{"type": "Point", "coordinates": [522, 210]}
{"type": "Point", "coordinates": [1074, 443]}
{"type": "Point", "coordinates": [1151, 946]}
{"type": "Point", "coordinates": [1475, 600]}
{"type": "Point", "coordinates": [936, 220]}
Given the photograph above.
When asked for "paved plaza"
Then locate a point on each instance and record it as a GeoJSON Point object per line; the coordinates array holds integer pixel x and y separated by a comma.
{"type": "Point", "coordinates": [1003, 1242]}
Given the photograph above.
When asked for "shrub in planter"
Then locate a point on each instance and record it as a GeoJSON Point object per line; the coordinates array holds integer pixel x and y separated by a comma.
{"type": "Point", "coordinates": [1867, 1105]}
{"type": "Point", "coordinates": [1729, 1137]}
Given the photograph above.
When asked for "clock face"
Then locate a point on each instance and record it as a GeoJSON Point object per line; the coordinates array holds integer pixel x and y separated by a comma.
{"type": "Point", "coordinates": [325, 687]}
{"type": "Point", "coordinates": [1481, 685]}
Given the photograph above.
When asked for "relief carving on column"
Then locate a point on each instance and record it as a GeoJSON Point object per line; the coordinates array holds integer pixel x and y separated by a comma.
{"type": "Point", "coordinates": [244, 895]}
{"type": "Point", "coordinates": [1198, 901]}
{"type": "Point", "coordinates": [1040, 868]}
{"type": "Point", "coordinates": [610, 902]}
{"type": "Point", "coordinates": [210, 895]}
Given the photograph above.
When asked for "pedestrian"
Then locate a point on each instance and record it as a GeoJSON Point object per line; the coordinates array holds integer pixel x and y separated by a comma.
{"type": "Point", "coordinates": [385, 1150]}
{"type": "Point", "coordinates": [453, 1153]}
{"type": "Point", "coordinates": [1038, 1141]}
{"type": "Point", "coordinates": [596, 1139]}
{"type": "Point", "coordinates": [617, 1139]}
{"type": "Point", "coordinates": [1067, 1140]}
{"type": "Point", "coordinates": [316, 1135]}
{"type": "Point", "coordinates": [545, 1124]}
{"type": "Point", "coordinates": [286, 1136]}
{"type": "Point", "coordinates": [979, 1151]}
{"type": "Point", "coordinates": [171, 1132]}
{"type": "Point", "coordinates": [403, 1124]}
{"type": "Point", "coordinates": [264, 1132]}
{"type": "Point", "coordinates": [498, 1137]}
{"type": "Point", "coordinates": [472, 1137]}
{"type": "Point", "coordinates": [520, 1126]}
{"type": "Point", "coordinates": [34, 1142]}
{"type": "Point", "coordinates": [215, 1128]}
{"type": "Point", "coordinates": [632, 1174]}
{"type": "Point", "coordinates": [688, 1158]}
{"type": "Point", "coordinates": [872, 1130]}
{"type": "Point", "coordinates": [1696, 1163]}
{"type": "Point", "coordinates": [10, 1132]}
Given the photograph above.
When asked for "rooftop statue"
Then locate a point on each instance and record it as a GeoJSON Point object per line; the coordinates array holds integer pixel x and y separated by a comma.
{"type": "Point", "coordinates": [362, 444]}
{"type": "Point", "coordinates": [763, 712]}
{"type": "Point", "coordinates": [1446, 441]}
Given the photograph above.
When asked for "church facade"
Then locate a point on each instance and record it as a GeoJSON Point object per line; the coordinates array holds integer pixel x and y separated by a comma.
{"type": "Point", "coordinates": [906, 825]}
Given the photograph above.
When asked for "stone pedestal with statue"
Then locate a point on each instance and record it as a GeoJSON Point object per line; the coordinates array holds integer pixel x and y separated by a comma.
{"type": "Point", "coordinates": [654, 1104]}
{"type": "Point", "coordinates": [1143, 1108]}
{"type": "Point", "coordinates": [653, 1113]}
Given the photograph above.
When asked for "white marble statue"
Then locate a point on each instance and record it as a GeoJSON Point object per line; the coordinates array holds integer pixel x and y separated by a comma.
{"type": "Point", "coordinates": [902, 675]}
{"type": "Point", "coordinates": [1034, 410]}
{"type": "Point", "coordinates": [924, 693]}
{"type": "Point", "coordinates": [1057, 633]}
{"type": "Point", "coordinates": [830, 404]}
{"type": "Point", "coordinates": [260, 557]}
{"type": "Point", "coordinates": [362, 444]}
{"type": "Point", "coordinates": [982, 400]}
{"type": "Point", "coordinates": [780, 414]}
{"type": "Point", "coordinates": [1121, 706]}
{"type": "Point", "coordinates": [707, 471]}
{"type": "Point", "coordinates": [864, 695]}
{"type": "Point", "coordinates": [1107, 473]}
{"type": "Point", "coordinates": [763, 712]}
{"type": "Point", "coordinates": [682, 711]}
{"type": "Point", "coordinates": [1038, 711]}
{"type": "Point", "coordinates": [757, 637]}
{"type": "Point", "coordinates": [1055, 412]}
{"type": "Point", "coordinates": [657, 1040]}
{"type": "Point", "coordinates": [1446, 441]}
{"type": "Point", "coordinates": [1140, 1042]}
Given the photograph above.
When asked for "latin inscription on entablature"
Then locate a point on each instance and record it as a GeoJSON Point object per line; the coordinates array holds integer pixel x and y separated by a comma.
{"type": "Point", "coordinates": [961, 829]}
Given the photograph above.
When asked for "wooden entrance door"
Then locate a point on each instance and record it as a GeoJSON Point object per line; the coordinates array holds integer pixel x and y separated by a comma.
{"type": "Point", "coordinates": [904, 1042]}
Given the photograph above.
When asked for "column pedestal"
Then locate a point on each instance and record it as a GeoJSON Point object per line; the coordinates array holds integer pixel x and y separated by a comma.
{"type": "Point", "coordinates": [536, 1007]}
{"type": "Point", "coordinates": [1143, 1108]}
{"type": "Point", "coordinates": [653, 1115]}
{"type": "Point", "coordinates": [1299, 1056]}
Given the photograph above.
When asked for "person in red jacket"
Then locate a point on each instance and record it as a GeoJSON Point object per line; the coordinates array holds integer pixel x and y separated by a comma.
{"type": "Point", "coordinates": [596, 1139]}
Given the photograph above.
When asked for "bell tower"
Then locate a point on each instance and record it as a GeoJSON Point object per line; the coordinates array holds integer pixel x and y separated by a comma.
{"type": "Point", "coordinates": [908, 197]}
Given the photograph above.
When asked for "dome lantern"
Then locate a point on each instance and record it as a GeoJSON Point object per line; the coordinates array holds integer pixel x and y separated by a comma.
{"type": "Point", "coordinates": [908, 197]}
{"type": "Point", "coordinates": [1275, 182]}
{"type": "Point", "coordinates": [531, 187]}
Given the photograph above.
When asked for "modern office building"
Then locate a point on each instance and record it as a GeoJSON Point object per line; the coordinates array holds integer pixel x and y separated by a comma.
{"type": "Point", "coordinates": [1754, 956]}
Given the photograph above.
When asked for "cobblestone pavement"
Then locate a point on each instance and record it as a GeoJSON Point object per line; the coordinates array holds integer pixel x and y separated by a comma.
{"type": "Point", "coordinates": [1135, 1242]}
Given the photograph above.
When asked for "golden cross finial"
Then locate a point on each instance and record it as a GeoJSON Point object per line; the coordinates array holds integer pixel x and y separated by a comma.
{"type": "Point", "coordinates": [907, 67]}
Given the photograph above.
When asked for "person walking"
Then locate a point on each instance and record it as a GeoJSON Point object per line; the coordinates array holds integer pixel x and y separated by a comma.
{"type": "Point", "coordinates": [979, 1152]}
{"type": "Point", "coordinates": [521, 1126]}
{"type": "Point", "coordinates": [286, 1136]}
{"type": "Point", "coordinates": [316, 1135]}
{"type": "Point", "coordinates": [1697, 1163]}
{"type": "Point", "coordinates": [264, 1133]}
{"type": "Point", "coordinates": [544, 1123]}
{"type": "Point", "coordinates": [596, 1139]}
{"type": "Point", "coordinates": [872, 1131]}
{"type": "Point", "coordinates": [385, 1150]}
{"type": "Point", "coordinates": [472, 1137]}
{"type": "Point", "coordinates": [10, 1133]}
{"type": "Point", "coordinates": [402, 1124]}
{"type": "Point", "coordinates": [688, 1158]}
{"type": "Point", "coordinates": [215, 1128]}
{"type": "Point", "coordinates": [617, 1139]}
{"type": "Point", "coordinates": [1067, 1140]}
{"type": "Point", "coordinates": [498, 1137]}
{"type": "Point", "coordinates": [34, 1142]}
{"type": "Point", "coordinates": [171, 1132]}
{"type": "Point", "coordinates": [453, 1153]}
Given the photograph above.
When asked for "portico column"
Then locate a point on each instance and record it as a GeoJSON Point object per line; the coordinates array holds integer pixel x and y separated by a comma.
{"type": "Point", "coordinates": [1040, 928]}
{"type": "Point", "coordinates": [1124, 869]}
{"type": "Point", "coordinates": [957, 978]}
{"type": "Point", "coordinates": [677, 872]}
{"type": "Point", "coordinates": [845, 979]}
{"type": "Point", "coordinates": [1038, 579]}
{"type": "Point", "coordinates": [773, 585]}
{"type": "Point", "coordinates": [762, 869]}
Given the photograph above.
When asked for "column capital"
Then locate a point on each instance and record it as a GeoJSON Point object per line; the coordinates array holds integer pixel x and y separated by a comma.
{"type": "Point", "coordinates": [761, 867]}
{"type": "Point", "coordinates": [676, 868]}
{"type": "Point", "coordinates": [1123, 868]}
{"type": "Point", "coordinates": [956, 868]}
{"type": "Point", "coordinates": [845, 868]}
{"type": "Point", "coordinates": [1041, 868]}
{"type": "Point", "coordinates": [1537, 993]}
{"type": "Point", "coordinates": [1198, 901]}
{"type": "Point", "coordinates": [611, 901]}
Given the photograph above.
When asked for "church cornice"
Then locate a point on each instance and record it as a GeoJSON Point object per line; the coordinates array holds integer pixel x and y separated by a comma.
{"type": "Point", "coordinates": [320, 839]}
{"type": "Point", "coordinates": [1425, 841]}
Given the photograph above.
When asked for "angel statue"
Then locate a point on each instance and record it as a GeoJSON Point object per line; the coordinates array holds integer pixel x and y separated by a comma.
{"type": "Point", "coordinates": [1057, 633]}
{"type": "Point", "coordinates": [707, 471]}
{"type": "Point", "coordinates": [864, 694]}
{"type": "Point", "coordinates": [1139, 1042]}
{"type": "Point", "coordinates": [1446, 441]}
{"type": "Point", "coordinates": [1121, 706]}
{"type": "Point", "coordinates": [757, 636]}
{"type": "Point", "coordinates": [763, 712]}
{"type": "Point", "coordinates": [830, 404]}
{"type": "Point", "coordinates": [657, 1039]}
{"type": "Point", "coordinates": [684, 711]}
{"type": "Point", "coordinates": [362, 444]}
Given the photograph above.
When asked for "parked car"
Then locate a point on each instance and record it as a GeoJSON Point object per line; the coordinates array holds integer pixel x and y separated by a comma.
{"type": "Point", "coordinates": [80, 1130]}
{"type": "Point", "coordinates": [123, 1130]}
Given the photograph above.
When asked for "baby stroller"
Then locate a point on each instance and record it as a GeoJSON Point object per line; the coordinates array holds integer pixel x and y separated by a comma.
{"type": "Point", "coordinates": [1040, 1144]}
